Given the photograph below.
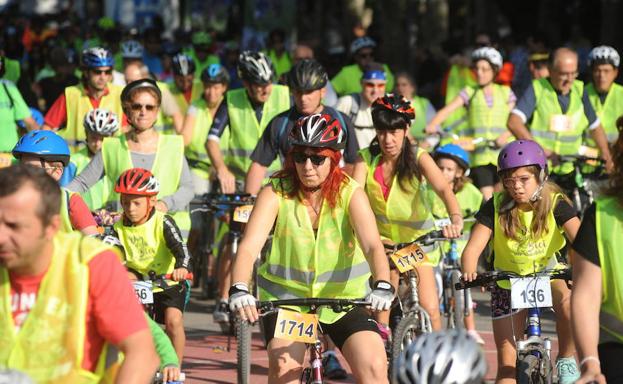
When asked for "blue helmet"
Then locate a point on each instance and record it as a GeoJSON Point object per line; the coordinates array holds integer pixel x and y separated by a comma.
{"type": "Point", "coordinates": [215, 73]}
{"type": "Point", "coordinates": [453, 152]}
{"type": "Point", "coordinates": [46, 145]}
{"type": "Point", "coordinates": [97, 57]}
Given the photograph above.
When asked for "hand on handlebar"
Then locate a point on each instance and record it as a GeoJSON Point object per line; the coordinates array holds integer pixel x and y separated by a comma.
{"type": "Point", "coordinates": [469, 276]}
{"type": "Point", "coordinates": [241, 301]}
{"type": "Point", "coordinates": [179, 274]}
{"type": "Point", "coordinates": [170, 373]}
{"type": "Point", "coordinates": [227, 180]}
{"type": "Point", "coordinates": [381, 296]}
{"type": "Point", "coordinates": [455, 229]}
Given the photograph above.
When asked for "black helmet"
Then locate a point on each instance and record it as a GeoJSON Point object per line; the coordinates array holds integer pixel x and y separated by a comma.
{"type": "Point", "coordinates": [215, 73]}
{"type": "Point", "coordinates": [141, 83]}
{"type": "Point", "coordinates": [255, 67]}
{"type": "Point", "coordinates": [307, 75]}
{"type": "Point", "coordinates": [183, 65]}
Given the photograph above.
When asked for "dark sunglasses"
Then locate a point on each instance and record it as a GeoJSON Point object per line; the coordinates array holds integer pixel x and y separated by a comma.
{"type": "Point", "coordinates": [301, 158]}
{"type": "Point", "coordinates": [138, 107]}
{"type": "Point", "coordinates": [101, 71]}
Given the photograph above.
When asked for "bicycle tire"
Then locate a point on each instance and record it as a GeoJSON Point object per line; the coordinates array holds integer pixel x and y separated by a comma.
{"type": "Point", "coordinates": [407, 330]}
{"type": "Point", "coordinates": [527, 371]}
{"type": "Point", "coordinates": [458, 305]}
{"type": "Point", "coordinates": [243, 351]}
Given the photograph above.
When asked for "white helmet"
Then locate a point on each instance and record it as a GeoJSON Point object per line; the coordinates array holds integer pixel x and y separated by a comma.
{"type": "Point", "coordinates": [490, 54]}
{"type": "Point", "coordinates": [131, 49]}
{"type": "Point", "coordinates": [101, 121]}
{"type": "Point", "coordinates": [604, 54]}
{"type": "Point", "coordinates": [442, 358]}
{"type": "Point", "coordinates": [361, 42]}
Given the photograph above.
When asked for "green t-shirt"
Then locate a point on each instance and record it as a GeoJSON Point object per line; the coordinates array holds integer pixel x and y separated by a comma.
{"type": "Point", "coordinates": [12, 108]}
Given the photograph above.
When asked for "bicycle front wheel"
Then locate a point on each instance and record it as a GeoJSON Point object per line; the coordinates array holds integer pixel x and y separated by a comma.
{"type": "Point", "coordinates": [243, 350]}
{"type": "Point", "coordinates": [528, 371]}
{"type": "Point", "coordinates": [458, 299]}
{"type": "Point", "coordinates": [405, 333]}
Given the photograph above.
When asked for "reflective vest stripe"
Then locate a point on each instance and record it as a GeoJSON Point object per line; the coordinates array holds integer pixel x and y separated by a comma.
{"type": "Point", "coordinates": [422, 224]}
{"type": "Point", "coordinates": [335, 276]}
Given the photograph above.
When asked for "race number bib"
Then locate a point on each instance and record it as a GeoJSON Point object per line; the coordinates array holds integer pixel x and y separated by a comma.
{"type": "Point", "coordinates": [295, 326]}
{"type": "Point", "coordinates": [144, 291]}
{"type": "Point", "coordinates": [5, 160]}
{"type": "Point", "coordinates": [531, 292]}
{"type": "Point", "coordinates": [242, 213]}
{"type": "Point", "coordinates": [560, 123]}
{"type": "Point", "coordinates": [408, 258]}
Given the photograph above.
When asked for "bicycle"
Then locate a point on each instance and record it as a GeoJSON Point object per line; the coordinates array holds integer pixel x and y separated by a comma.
{"type": "Point", "coordinates": [532, 291]}
{"type": "Point", "coordinates": [415, 320]}
{"type": "Point", "coordinates": [582, 188]}
{"type": "Point", "coordinates": [146, 286]}
{"type": "Point", "coordinates": [295, 326]}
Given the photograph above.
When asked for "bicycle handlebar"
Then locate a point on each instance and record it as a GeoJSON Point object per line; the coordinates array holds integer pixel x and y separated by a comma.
{"type": "Point", "coordinates": [491, 277]}
{"type": "Point", "coordinates": [336, 304]}
{"type": "Point", "coordinates": [579, 159]}
{"type": "Point", "coordinates": [229, 199]}
{"type": "Point", "coordinates": [427, 239]}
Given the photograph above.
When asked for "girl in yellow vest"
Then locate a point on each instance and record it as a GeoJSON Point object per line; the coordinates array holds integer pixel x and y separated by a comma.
{"type": "Point", "coordinates": [394, 176]}
{"type": "Point", "coordinates": [424, 110]}
{"type": "Point", "coordinates": [528, 221]}
{"type": "Point", "coordinates": [488, 106]}
{"type": "Point", "coordinates": [98, 124]}
{"type": "Point", "coordinates": [453, 161]}
{"type": "Point", "coordinates": [597, 270]}
{"type": "Point", "coordinates": [323, 246]}
{"type": "Point", "coordinates": [153, 242]}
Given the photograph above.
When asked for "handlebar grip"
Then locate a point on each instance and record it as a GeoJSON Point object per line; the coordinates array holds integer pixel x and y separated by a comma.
{"type": "Point", "coordinates": [189, 276]}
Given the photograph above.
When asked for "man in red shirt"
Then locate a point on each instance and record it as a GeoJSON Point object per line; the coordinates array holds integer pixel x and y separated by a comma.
{"type": "Point", "coordinates": [95, 91]}
{"type": "Point", "coordinates": [63, 297]}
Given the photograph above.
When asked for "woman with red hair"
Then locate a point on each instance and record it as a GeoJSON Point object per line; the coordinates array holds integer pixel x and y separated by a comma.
{"type": "Point", "coordinates": [323, 247]}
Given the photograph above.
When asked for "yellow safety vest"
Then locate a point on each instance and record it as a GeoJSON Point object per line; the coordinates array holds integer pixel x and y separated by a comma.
{"type": "Point", "coordinates": [459, 77]}
{"type": "Point", "coordinates": [145, 247]}
{"type": "Point", "coordinates": [609, 227]}
{"type": "Point", "coordinates": [245, 130]}
{"type": "Point", "coordinates": [196, 153]}
{"type": "Point", "coordinates": [282, 63]}
{"type": "Point", "coordinates": [527, 254]}
{"type": "Point", "coordinates": [201, 65]}
{"type": "Point", "coordinates": [405, 215]}
{"type": "Point", "coordinates": [608, 111]}
{"type": "Point", "coordinates": [195, 93]}
{"type": "Point", "coordinates": [487, 123]}
{"type": "Point", "coordinates": [167, 168]}
{"type": "Point", "coordinates": [325, 264]}
{"type": "Point", "coordinates": [164, 124]}
{"type": "Point", "coordinates": [420, 105]}
{"type": "Point", "coordinates": [544, 128]}
{"type": "Point", "coordinates": [65, 221]}
{"type": "Point", "coordinates": [470, 199]}
{"type": "Point", "coordinates": [96, 196]}
{"type": "Point", "coordinates": [78, 104]}
{"type": "Point", "coordinates": [348, 80]}
{"type": "Point", "coordinates": [49, 347]}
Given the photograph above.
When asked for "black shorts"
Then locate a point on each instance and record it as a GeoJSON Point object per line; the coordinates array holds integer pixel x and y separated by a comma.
{"type": "Point", "coordinates": [484, 175]}
{"type": "Point", "coordinates": [356, 320]}
{"type": "Point", "coordinates": [610, 357]}
{"type": "Point", "coordinates": [174, 296]}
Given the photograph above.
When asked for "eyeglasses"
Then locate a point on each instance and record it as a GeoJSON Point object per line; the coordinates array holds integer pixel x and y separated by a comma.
{"type": "Point", "coordinates": [374, 85]}
{"type": "Point", "coordinates": [101, 71]}
{"type": "Point", "coordinates": [366, 55]}
{"type": "Point", "coordinates": [137, 107]}
{"type": "Point", "coordinates": [510, 182]}
{"type": "Point", "coordinates": [301, 158]}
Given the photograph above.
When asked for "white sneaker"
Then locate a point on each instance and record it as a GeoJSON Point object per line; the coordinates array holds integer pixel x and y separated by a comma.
{"type": "Point", "coordinates": [221, 312]}
{"type": "Point", "coordinates": [476, 336]}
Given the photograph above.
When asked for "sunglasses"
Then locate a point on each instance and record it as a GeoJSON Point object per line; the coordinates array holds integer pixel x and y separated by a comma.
{"type": "Point", "coordinates": [365, 55]}
{"type": "Point", "coordinates": [301, 158]}
{"type": "Point", "coordinates": [374, 85]}
{"type": "Point", "coordinates": [102, 71]}
{"type": "Point", "coordinates": [138, 107]}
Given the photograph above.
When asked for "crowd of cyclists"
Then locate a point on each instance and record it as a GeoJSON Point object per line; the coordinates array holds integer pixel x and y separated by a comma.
{"type": "Point", "coordinates": [339, 167]}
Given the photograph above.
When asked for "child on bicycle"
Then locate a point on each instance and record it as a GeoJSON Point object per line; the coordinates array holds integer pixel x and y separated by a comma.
{"type": "Point", "coordinates": [153, 242]}
{"type": "Point", "coordinates": [454, 164]}
{"type": "Point", "coordinates": [528, 221]}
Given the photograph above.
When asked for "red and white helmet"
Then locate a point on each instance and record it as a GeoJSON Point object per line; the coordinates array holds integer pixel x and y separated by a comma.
{"type": "Point", "coordinates": [137, 181]}
{"type": "Point", "coordinates": [101, 121]}
{"type": "Point", "coordinates": [319, 131]}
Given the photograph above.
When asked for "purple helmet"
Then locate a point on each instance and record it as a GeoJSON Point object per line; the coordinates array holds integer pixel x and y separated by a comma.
{"type": "Point", "coordinates": [522, 153]}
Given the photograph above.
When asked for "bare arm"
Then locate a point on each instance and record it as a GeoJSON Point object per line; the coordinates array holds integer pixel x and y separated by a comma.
{"type": "Point", "coordinates": [187, 129]}
{"type": "Point", "coordinates": [442, 188]}
{"type": "Point", "coordinates": [255, 175]}
{"type": "Point", "coordinates": [443, 114]}
{"type": "Point", "coordinates": [178, 125]}
{"type": "Point", "coordinates": [225, 177]}
{"type": "Point", "coordinates": [31, 124]}
{"type": "Point", "coordinates": [140, 359]}
{"type": "Point", "coordinates": [585, 314]}
{"type": "Point", "coordinates": [360, 172]}
{"type": "Point", "coordinates": [361, 218]}
{"type": "Point", "coordinates": [478, 240]}
{"type": "Point", "coordinates": [518, 128]}
{"type": "Point", "coordinates": [599, 136]}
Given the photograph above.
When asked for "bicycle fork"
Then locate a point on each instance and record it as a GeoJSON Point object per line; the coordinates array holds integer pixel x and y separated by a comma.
{"type": "Point", "coordinates": [415, 302]}
{"type": "Point", "coordinates": [315, 361]}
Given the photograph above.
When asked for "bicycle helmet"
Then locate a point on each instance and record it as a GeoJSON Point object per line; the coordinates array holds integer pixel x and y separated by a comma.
{"type": "Point", "coordinates": [101, 122]}
{"type": "Point", "coordinates": [318, 131]}
{"type": "Point", "coordinates": [454, 152]}
{"type": "Point", "coordinates": [360, 43]}
{"type": "Point", "coordinates": [448, 357]}
{"type": "Point", "coordinates": [604, 55]}
{"type": "Point", "coordinates": [522, 153]}
{"type": "Point", "coordinates": [46, 145]}
{"type": "Point", "coordinates": [183, 65]}
{"type": "Point", "coordinates": [131, 49]}
{"type": "Point", "coordinates": [137, 181]}
{"type": "Point", "coordinates": [215, 73]}
{"type": "Point", "coordinates": [255, 67]}
{"type": "Point", "coordinates": [97, 57]}
{"type": "Point", "coordinates": [137, 84]}
{"type": "Point", "coordinates": [396, 103]}
{"type": "Point", "coordinates": [490, 54]}
{"type": "Point", "coordinates": [307, 75]}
